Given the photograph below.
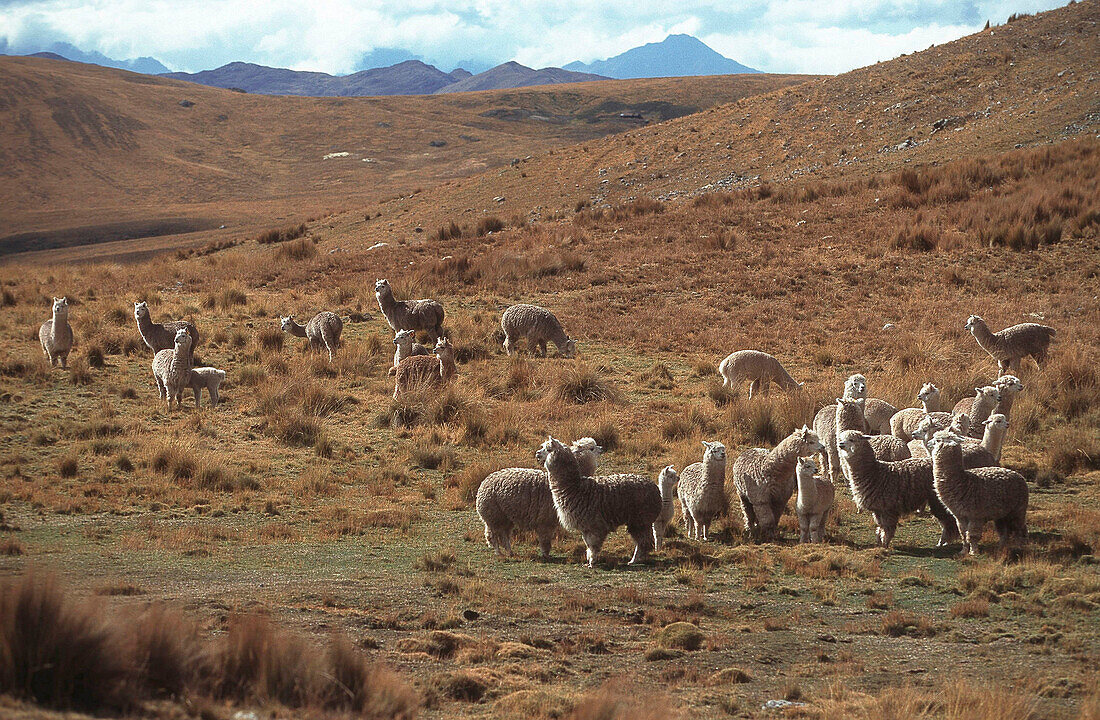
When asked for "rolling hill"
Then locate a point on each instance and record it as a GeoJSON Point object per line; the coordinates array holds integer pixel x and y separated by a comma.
{"type": "Point", "coordinates": [95, 154]}
{"type": "Point", "coordinates": [514, 75]}
{"type": "Point", "coordinates": [410, 77]}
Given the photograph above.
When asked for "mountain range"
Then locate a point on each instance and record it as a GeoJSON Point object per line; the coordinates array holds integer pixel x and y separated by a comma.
{"type": "Point", "coordinates": [677, 55]}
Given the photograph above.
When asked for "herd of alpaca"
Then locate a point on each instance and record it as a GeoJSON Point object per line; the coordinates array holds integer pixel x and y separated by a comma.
{"type": "Point", "coordinates": [895, 462]}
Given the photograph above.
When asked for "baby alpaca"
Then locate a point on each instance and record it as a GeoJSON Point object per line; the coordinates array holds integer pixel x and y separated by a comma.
{"type": "Point", "coordinates": [975, 497]}
{"type": "Point", "coordinates": [56, 335]}
{"type": "Point", "coordinates": [764, 480]}
{"type": "Point", "coordinates": [702, 491]}
{"type": "Point", "coordinates": [758, 367]}
{"type": "Point", "coordinates": [406, 347]}
{"type": "Point", "coordinates": [323, 331]}
{"type": "Point", "coordinates": [424, 371]}
{"type": "Point", "coordinates": [666, 483]}
{"type": "Point", "coordinates": [539, 326]}
{"type": "Point", "coordinates": [1010, 346]}
{"type": "Point", "coordinates": [172, 369]}
{"type": "Point", "coordinates": [815, 498]}
{"type": "Point", "coordinates": [424, 315]}
{"type": "Point", "coordinates": [209, 378]}
{"type": "Point", "coordinates": [596, 506]}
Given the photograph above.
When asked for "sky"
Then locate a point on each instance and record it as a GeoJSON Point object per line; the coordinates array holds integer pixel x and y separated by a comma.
{"type": "Point", "coordinates": [342, 36]}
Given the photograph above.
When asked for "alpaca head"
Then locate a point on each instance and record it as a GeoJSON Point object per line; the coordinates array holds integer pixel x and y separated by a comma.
{"type": "Point", "coordinates": [382, 286]}
{"type": "Point", "coordinates": [855, 387]}
{"type": "Point", "coordinates": [942, 442]}
{"type": "Point", "coordinates": [287, 323]}
{"type": "Point", "coordinates": [809, 441]}
{"type": "Point", "coordinates": [1009, 384]}
{"type": "Point", "coordinates": [404, 337]}
{"type": "Point", "coordinates": [990, 392]}
{"type": "Point", "coordinates": [60, 305]}
{"type": "Point", "coordinates": [587, 444]}
{"type": "Point", "coordinates": [927, 392]}
{"type": "Point", "coordinates": [444, 350]}
{"type": "Point", "coordinates": [183, 338]}
{"type": "Point", "coordinates": [551, 445]}
{"type": "Point", "coordinates": [972, 322]}
{"type": "Point", "coordinates": [849, 441]}
{"type": "Point", "coordinates": [960, 424]}
{"type": "Point", "coordinates": [668, 478]}
{"type": "Point", "coordinates": [807, 468]}
{"type": "Point", "coordinates": [852, 402]}
{"type": "Point", "coordinates": [141, 310]}
{"type": "Point", "coordinates": [569, 348]}
{"type": "Point", "coordinates": [714, 452]}
{"type": "Point", "coordinates": [997, 421]}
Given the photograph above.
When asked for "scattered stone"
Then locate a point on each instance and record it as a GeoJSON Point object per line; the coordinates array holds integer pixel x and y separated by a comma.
{"type": "Point", "coordinates": [377, 245]}
{"type": "Point", "coordinates": [437, 143]}
{"type": "Point", "coordinates": [186, 103]}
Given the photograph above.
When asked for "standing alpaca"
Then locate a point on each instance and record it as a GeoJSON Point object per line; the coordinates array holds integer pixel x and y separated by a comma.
{"type": "Point", "coordinates": [424, 315]}
{"type": "Point", "coordinates": [848, 414]}
{"type": "Point", "coordinates": [984, 400]}
{"type": "Point", "coordinates": [539, 326]}
{"type": "Point", "coordinates": [596, 506]}
{"type": "Point", "coordinates": [890, 489]}
{"type": "Point", "coordinates": [758, 367]}
{"type": "Point", "coordinates": [815, 498]}
{"type": "Point", "coordinates": [1010, 346]}
{"type": "Point", "coordinates": [974, 497]}
{"type": "Point", "coordinates": [764, 480]}
{"type": "Point", "coordinates": [162, 336]}
{"type": "Point", "coordinates": [519, 499]}
{"type": "Point", "coordinates": [172, 369]}
{"type": "Point", "coordinates": [406, 347]}
{"type": "Point", "coordinates": [425, 370]}
{"type": "Point", "coordinates": [56, 335]}
{"type": "Point", "coordinates": [323, 331]}
{"type": "Point", "coordinates": [666, 483]}
{"type": "Point", "coordinates": [1009, 387]}
{"type": "Point", "coordinates": [975, 453]}
{"type": "Point", "coordinates": [906, 420]}
{"type": "Point", "coordinates": [876, 412]}
{"type": "Point", "coordinates": [702, 491]}
{"type": "Point", "coordinates": [209, 378]}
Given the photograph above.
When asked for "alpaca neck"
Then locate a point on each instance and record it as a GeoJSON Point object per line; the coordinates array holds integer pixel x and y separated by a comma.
{"type": "Point", "coordinates": [931, 403]}
{"type": "Point", "coordinates": [563, 471]}
{"type": "Point", "coordinates": [714, 471]}
{"type": "Point", "coordinates": [145, 323]}
{"type": "Point", "coordinates": [782, 456]}
{"type": "Point", "coordinates": [849, 417]}
{"type": "Point", "coordinates": [983, 335]}
{"type": "Point", "coordinates": [993, 440]}
{"type": "Point", "coordinates": [666, 487]}
{"type": "Point", "coordinates": [947, 463]}
{"type": "Point", "coordinates": [446, 367]}
{"type": "Point", "coordinates": [1004, 407]}
{"type": "Point", "coordinates": [807, 489]}
{"type": "Point", "coordinates": [297, 330]}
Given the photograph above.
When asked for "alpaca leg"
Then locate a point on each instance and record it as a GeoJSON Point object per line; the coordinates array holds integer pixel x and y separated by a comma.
{"type": "Point", "coordinates": [947, 522]}
{"type": "Point", "coordinates": [706, 529]}
{"type": "Point", "coordinates": [974, 536]}
{"type": "Point", "coordinates": [593, 542]}
{"type": "Point", "coordinates": [889, 527]}
{"type": "Point", "coordinates": [542, 348]}
{"type": "Point", "coordinates": [214, 397]}
{"type": "Point", "coordinates": [835, 469]}
{"type": "Point", "coordinates": [750, 515]}
{"type": "Point", "coordinates": [804, 528]}
{"type": "Point", "coordinates": [546, 540]}
{"type": "Point", "coordinates": [509, 344]}
{"type": "Point", "coordinates": [817, 528]}
{"type": "Point", "coordinates": [643, 542]}
{"type": "Point", "coordinates": [64, 360]}
{"type": "Point", "coordinates": [765, 521]}
{"type": "Point", "coordinates": [689, 521]}
{"type": "Point", "coordinates": [754, 386]}
{"type": "Point", "coordinates": [658, 534]}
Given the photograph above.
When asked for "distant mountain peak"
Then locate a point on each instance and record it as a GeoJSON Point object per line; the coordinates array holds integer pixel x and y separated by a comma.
{"type": "Point", "coordinates": [675, 56]}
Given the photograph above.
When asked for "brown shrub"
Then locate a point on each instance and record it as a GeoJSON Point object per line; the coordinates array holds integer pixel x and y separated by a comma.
{"type": "Point", "coordinates": [290, 232]}
{"type": "Point", "coordinates": [300, 249]}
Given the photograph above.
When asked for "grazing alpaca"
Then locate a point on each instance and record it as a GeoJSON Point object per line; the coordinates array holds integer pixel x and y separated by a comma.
{"type": "Point", "coordinates": [424, 315]}
{"type": "Point", "coordinates": [56, 335]}
{"type": "Point", "coordinates": [1010, 346]}
{"type": "Point", "coordinates": [539, 326]}
{"type": "Point", "coordinates": [759, 368]}
{"type": "Point", "coordinates": [596, 506]}
{"type": "Point", "coordinates": [323, 331]}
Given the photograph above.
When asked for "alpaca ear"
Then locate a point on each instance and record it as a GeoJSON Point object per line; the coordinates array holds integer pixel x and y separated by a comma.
{"type": "Point", "coordinates": [838, 401]}
{"type": "Point", "coordinates": [599, 449]}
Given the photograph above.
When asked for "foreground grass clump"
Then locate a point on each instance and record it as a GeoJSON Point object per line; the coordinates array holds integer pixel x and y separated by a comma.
{"type": "Point", "coordinates": [62, 651]}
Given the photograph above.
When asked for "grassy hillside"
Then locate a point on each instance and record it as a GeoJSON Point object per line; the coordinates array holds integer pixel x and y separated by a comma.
{"type": "Point", "coordinates": [313, 499]}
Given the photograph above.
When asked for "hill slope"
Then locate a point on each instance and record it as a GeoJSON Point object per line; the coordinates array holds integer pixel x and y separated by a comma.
{"type": "Point", "coordinates": [89, 146]}
{"type": "Point", "coordinates": [676, 55]}
{"type": "Point", "coordinates": [514, 75]}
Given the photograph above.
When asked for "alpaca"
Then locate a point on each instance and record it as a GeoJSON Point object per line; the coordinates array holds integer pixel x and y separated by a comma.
{"type": "Point", "coordinates": [848, 415]}
{"type": "Point", "coordinates": [56, 335]}
{"type": "Point", "coordinates": [588, 454]}
{"type": "Point", "coordinates": [815, 499]}
{"type": "Point", "coordinates": [519, 499]}
{"type": "Point", "coordinates": [876, 412]}
{"type": "Point", "coordinates": [976, 453]}
{"type": "Point", "coordinates": [209, 378]}
{"type": "Point", "coordinates": [323, 331]}
{"type": "Point", "coordinates": [425, 370]}
{"type": "Point", "coordinates": [1009, 386]}
{"type": "Point", "coordinates": [905, 421]}
{"type": "Point", "coordinates": [759, 368]}
{"type": "Point", "coordinates": [172, 369]}
{"type": "Point", "coordinates": [539, 326]}
{"type": "Point", "coordinates": [596, 506]}
{"type": "Point", "coordinates": [406, 347]}
{"type": "Point", "coordinates": [975, 497]}
{"type": "Point", "coordinates": [424, 315]}
{"type": "Point", "coordinates": [1010, 346]}
{"type": "Point", "coordinates": [764, 480]}
{"type": "Point", "coordinates": [890, 489]}
{"type": "Point", "coordinates": [984, 400]}
{"type": "Point", "coordinates": [162, 336]}
{"type": "Point", "coordinates": [666, 483]}
{"type": "Point", "coordinates": [702, 491]}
